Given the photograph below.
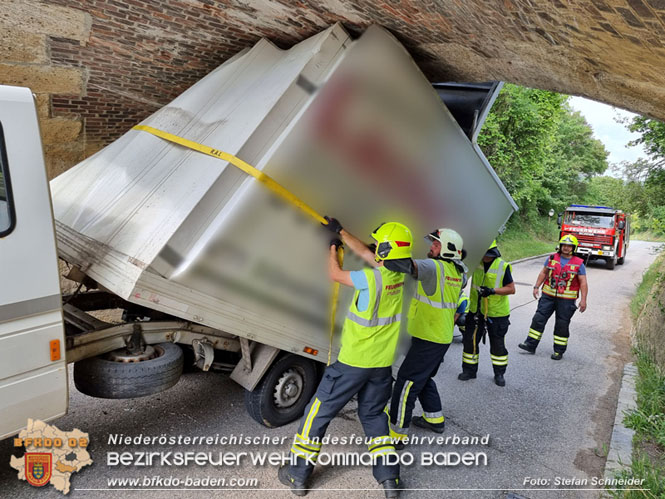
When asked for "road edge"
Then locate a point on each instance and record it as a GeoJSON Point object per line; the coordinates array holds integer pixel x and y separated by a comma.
{"type": "Point", "coordinates": [530, 258]}
{"type": "Point", "coordinates": [621, 444]}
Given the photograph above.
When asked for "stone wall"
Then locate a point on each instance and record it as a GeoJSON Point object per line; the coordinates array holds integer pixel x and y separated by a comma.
{"type": "Point", "coordinates": [100, 66]}
{"type": "Point", "coordinates": [648, 328]}
{"type": "Point", "coordinates": [27, 30]}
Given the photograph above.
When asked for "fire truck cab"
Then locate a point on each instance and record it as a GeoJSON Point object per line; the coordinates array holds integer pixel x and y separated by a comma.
{"type": "Point", "coordinates": [602, 232]}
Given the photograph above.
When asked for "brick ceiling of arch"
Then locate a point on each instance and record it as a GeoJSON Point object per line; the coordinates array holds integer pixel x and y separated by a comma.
{"type": "Point", "coordinates": [100, 66]}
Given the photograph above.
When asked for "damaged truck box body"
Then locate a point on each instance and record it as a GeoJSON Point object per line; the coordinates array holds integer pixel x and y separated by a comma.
{"type": "Point", "coordinates": [351, 127]}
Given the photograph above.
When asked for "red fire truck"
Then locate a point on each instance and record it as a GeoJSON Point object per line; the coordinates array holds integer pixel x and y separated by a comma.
{"type": "Point", "coordinates": [601, 231]}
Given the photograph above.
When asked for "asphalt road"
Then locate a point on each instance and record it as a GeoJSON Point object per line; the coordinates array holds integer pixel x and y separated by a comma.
{"type": "Point", "coordinates": [552, 419]}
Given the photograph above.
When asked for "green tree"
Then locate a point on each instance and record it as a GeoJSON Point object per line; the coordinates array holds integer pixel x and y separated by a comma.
{"type": "Point", "coordinates": [607, 191]}
{"type": "Point", "coordinates": [543, 152]}
{"type": "Point", "coordinates": [576, 158]}
{"type": "Point", "coordinates": [652, 139]}
{"type": "Point", "coordinates": [645, 188]}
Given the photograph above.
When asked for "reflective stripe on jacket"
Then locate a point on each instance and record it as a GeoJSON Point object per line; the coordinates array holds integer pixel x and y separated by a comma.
{"type": "Point", "coordinates": [563, 281]}
{"type": "Point", "coordinates": [496, 305]}
{"type": "Point", "coordinates": [369, 338]}
{"type": "Point", "coordinates": [432, 317]}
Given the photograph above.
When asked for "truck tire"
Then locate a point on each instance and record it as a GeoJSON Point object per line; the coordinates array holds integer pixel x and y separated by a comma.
{"type": "Point", "coordinates": [110, 379]}
{"type": "Point", "coordinates": [611, 262]}
{"type": "Point", "coordinates": [284, 391]}
{"type": "Point", "coordinates": [623, 257]}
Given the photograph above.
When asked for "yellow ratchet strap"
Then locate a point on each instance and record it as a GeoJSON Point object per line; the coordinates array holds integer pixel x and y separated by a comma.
{"type": "Point", "coordinates": [238, 163]}
{"type": "Point", "coordinates": [265, 180]}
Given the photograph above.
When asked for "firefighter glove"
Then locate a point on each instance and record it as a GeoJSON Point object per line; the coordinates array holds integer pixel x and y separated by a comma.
{"type": "Point", "coordinates": [333, 225]}
{"type": "Point", "coordinates": [336, 242]}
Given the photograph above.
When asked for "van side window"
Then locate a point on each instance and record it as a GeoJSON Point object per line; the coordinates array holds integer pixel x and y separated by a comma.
{"type": "Point", "coordinates": [7, 214]}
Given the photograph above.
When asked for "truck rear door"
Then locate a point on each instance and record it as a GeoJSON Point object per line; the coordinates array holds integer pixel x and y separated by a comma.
{"type": "Point", "coordinates": [33, 369]}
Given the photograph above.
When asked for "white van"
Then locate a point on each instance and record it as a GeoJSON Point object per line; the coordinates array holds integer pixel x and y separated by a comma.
{"type": "Point", "coordinates": [33, 368]}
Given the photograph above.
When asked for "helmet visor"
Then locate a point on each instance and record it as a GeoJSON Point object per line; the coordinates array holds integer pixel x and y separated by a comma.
{"type": "Point", "coordinates": [432, 236]}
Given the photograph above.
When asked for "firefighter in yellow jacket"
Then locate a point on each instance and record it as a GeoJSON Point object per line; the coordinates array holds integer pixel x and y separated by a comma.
{"type": "Point", "coordinates": [363, 367]}
{"type": "Point", "coordinates": [431, 322]}
{"type": "Point", "coordinates": [489, 310]}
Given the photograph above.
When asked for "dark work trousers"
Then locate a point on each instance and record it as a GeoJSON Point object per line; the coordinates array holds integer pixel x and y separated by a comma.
{"type": "Point", "coordinates": [414, 380]}
{"type": "Point", "coordinates": [339, 384]}
{"type": "Point", "coordinates": [563, 308]}
{"type": "Point", "coordinates": [497, 327]}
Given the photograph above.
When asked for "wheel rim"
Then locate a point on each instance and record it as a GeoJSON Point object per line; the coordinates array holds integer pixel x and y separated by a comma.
{"type": "Point", "coordinates": [289, 388]}
{"type": "Point", "coordinates": [122, 355]}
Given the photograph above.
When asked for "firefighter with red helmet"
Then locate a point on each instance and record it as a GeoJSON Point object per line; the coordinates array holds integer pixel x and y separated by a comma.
{"type": "Point", "coordinates": [563, 279]}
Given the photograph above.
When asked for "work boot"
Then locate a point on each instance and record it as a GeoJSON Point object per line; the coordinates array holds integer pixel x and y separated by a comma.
{"type": "Point", "coordinates": [466, 375]}
{"type": "Point", "coordinates": [297, 487]}
{"type": "Point", "coordinates": [391, 487]}
{"type": "Point", "coordinates": [498, 379]}
{"type": "Point", "coordinates": [423, 423]}
{"type": "Point", "coordinates": [527, 347]}
{"type": "Point", "coordinates": [557, 356]}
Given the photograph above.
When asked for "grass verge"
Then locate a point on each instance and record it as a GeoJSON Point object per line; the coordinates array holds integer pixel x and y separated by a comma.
{"type": "Point", "coordinates": [648, 420]}
{"type": "Point", "coordinates": [648, 236]}
{"type": "Point", "coordinates": [522, 239]}
{"type": "Point", "coordinates": [645, 287]}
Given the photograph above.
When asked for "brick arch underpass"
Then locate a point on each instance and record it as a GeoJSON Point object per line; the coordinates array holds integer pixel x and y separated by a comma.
{"type": "Point", "coordinates": [100, 66]}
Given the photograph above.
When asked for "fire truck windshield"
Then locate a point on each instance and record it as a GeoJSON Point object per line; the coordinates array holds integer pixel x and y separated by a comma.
{"type": "Point", "coordinates": [589, 220]}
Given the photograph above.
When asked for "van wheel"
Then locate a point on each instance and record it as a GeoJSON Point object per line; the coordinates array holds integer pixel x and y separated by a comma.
{"type": "Point", "coordinates": [284, 391]}
{"type": "Point", "coordinates": [119, 375]}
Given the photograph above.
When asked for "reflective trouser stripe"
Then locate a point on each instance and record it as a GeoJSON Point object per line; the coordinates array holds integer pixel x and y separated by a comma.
{"type": "Point", "coordinates": [305, 454]}
{"type": "Point", "coordinates": [306, 443]}
{"type": "Point", "coordinates": [376, 441]}
{"type": "Point", "coordinates": [536, 335]}
{"type": "Point", "coordinates": [499, 360]}
{"type": "Point", "coordinates": [398, 433]}
{"type": "Point", "coordinates": [434, 417]}
{"type": "Point", "coordinates": [310, 417]}
{"type": "Point", "coordinates": [469, 358]}
{"type": "Point", "coordinates": [381, 446]}
{"type": "Point", "coordinates": [383, 451]}
{"type": "Point", "coordinates": [304, 447]}
{"type": "Point", "coordinates": [402, 403]}
{"type": "Point", "coordinates": [560, 340]}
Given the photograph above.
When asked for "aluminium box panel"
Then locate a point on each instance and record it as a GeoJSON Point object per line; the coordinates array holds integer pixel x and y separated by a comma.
{"type": "Point", "coordinates": [369, 141]}
{"type": "Point", "coordinates": [135, 194]}
{"type": "Point", "coordinates": [376, 144]}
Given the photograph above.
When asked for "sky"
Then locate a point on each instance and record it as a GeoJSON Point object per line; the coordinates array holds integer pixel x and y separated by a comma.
{"type": "Point", "coordinates": [615, 136]}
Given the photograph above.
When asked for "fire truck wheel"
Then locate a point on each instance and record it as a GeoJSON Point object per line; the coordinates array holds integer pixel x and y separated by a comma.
{"type": "Point", "coordinates": [611, 262]}
{"type": "Point", "coordinates": [119, 375]}
{"type": "Point", "coordinates": [623, 258]}
{"type": "Point", "coordinates": [284, 391]}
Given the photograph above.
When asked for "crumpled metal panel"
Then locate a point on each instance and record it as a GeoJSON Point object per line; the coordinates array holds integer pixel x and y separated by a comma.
{"type": "Point", "coordinates": [352, 128]}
